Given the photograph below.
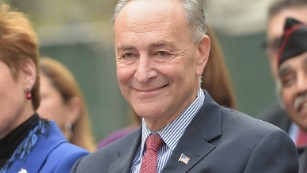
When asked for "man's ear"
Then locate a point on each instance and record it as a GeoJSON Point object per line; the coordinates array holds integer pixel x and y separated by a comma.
{"type": "Point", "coordinates": [202, 54]}
{"type": "Point", "coordinates": [28, 74]}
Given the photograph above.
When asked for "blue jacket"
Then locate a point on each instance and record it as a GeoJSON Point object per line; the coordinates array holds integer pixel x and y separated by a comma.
{"type": "Point", "coordinates": [51, 154]}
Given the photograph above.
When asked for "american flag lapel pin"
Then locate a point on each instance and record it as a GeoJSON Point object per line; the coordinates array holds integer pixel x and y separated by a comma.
{"type": "Point", "coordinates": [184, 159]}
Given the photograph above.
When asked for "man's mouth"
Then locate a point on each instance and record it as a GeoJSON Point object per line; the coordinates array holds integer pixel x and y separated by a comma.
{"type": "Point", "coordinates": [151, 89]}
{"type": "Point", "coordinates": [302, 107]}
{"type": "Point", "coordinates": [300, 104]}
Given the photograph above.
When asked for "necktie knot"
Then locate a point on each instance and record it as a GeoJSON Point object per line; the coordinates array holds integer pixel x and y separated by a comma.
{"type": "Point", "coordinates": [154, 142]}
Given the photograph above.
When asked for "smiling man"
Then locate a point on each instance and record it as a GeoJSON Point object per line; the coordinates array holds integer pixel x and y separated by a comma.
{"type": "Point", "coordinates": [292, 73]}
{"type": "Point", "coordinates": [161, 51]}
{"type": "Point", "coordinates": [292, 68]}
{"type": "Point", "coordinates": [294, 88]}
{"type": "Point", "coordinates": [277, 14]}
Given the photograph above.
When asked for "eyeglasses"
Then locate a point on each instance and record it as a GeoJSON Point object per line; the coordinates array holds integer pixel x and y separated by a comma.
{"type": "Point", "coordinates": [272, 46]}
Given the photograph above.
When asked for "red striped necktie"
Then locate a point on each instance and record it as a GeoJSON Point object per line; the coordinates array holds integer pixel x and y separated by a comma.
{"type": "Point", "coordinates": [149, 160]}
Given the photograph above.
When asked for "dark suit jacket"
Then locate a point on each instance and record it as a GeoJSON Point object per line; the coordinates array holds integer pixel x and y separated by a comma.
{"type": "Point", "coordinates": [280, 118]}
{"type": "Point", "coordinates": [218, 140]}
{"type": "Point", "coordinates": [303, 162]}
{"type": "Point", "coordinates": [277, 116]}
{"type": "Point", "coordinates": [51, 154]}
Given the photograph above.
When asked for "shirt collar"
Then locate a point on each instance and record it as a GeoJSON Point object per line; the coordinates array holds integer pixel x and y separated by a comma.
{"type": "Point", "coordinates": [174, 130]}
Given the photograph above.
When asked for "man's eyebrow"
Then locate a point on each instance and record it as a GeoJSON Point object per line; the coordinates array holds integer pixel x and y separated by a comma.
{"type": "Point", "coordinates": [161, 43]}
{"type": "Point", "coordinates": [157, 44]}
{"type": "Point", "coordinates": [125, 48]}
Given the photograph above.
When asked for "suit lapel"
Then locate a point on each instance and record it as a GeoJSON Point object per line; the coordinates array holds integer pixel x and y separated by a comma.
{"type": "Point", "coordinates": [195, 142]}
{"type": "Point", "coordinates": [126, 154]}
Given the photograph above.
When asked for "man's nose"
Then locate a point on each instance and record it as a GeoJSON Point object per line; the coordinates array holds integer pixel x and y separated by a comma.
{"type": "Point", "coordinates": [145, 69]}
{"type": "Point", "coordinates": [302, 83]}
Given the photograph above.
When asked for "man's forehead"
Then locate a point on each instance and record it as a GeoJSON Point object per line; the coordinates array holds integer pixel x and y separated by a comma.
{"type": "Point", "coordinates": [275, 27]}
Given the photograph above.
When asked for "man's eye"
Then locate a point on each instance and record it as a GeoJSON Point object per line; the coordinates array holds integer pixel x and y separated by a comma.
{"type": "Point", "coordinates": [128, 55]}
{"type": "Point", "coordinates": [163, 53]}
{"type": "Point", "coordinates": [288, 80]}
{"type": "Point", "coordinates": [127, 58]}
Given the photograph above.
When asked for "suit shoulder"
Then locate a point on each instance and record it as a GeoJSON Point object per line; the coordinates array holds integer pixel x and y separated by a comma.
{"type": "Point", "coordinates": [273, 114]}
{"type": "Point", "coordinates": [104, 157]}
{"type": "Point", "coordinates": [68, 149]}
{"type": "Point", "coordinates": [246, 123]}
{"type": "Point", "coordinates": [63, 156]}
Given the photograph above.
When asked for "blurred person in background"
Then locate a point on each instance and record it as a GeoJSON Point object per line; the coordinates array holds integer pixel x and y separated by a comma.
{"type": "Point", "coordinates": [216, 78]}
{"type": "Point", "coordinates": [27, 142]}
{"type": "Point", "coordinates": [216, 81]}
{"type": "Point", "coordinates": [292, 75]}
{"type": "Point", "coordinates": [160, 56]}
{"type": "Point", "coordinates": [62, 101]}
{"type": "Point", "coordinates": [277, 14]}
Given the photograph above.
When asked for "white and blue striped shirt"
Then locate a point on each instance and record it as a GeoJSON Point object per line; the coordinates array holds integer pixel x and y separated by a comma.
{"type": "Point", "coordinates": [170, 135]}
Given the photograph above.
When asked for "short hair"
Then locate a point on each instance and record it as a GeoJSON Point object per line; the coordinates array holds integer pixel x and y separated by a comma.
{"type": "Point", "coordinates": [18, 44]}
{"type": "Point", "coordinates": [194, 11]}
{"type": "Point", "coordinates": [280, 5]}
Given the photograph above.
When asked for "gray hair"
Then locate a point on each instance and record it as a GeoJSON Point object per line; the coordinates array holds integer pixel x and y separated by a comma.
{"type": "Point", "coordinates": [194, 11]}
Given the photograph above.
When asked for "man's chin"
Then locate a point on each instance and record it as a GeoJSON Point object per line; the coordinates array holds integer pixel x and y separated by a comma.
{"type": "Point", "coordinates": [302, 120]}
